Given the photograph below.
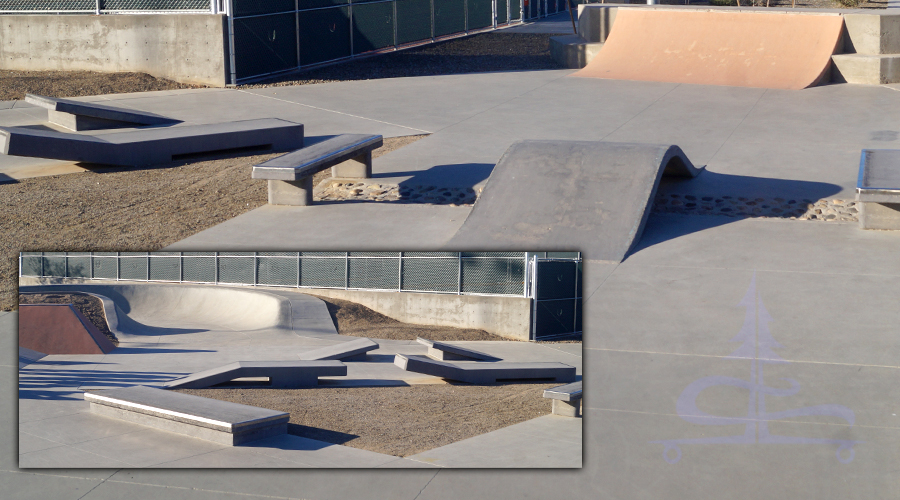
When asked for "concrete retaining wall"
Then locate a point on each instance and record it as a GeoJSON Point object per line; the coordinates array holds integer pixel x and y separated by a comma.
{"type": "Point", "coordinates": [508, 317]}
{"type": "Point", "coordinates": [188, 48]}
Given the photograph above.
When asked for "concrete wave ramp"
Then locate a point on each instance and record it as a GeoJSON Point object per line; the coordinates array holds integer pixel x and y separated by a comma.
{"type": "Point", "coordinates": [742, 49]}
{"type": "Point", "coordinates": [570, 195]}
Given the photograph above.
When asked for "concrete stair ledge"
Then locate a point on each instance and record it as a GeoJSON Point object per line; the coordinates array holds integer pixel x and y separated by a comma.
{"type": "Point", "coordinates": [870, 69]}
{"type": "Point", "coordinates": [573, 51]}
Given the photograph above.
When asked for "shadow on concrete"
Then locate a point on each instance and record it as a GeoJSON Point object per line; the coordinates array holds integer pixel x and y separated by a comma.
{"type": "Point", "coordinates": [316, 438]}
{"type": "Point", "coordinates": [47, 384]}
{"type": "Point", "coordinates": [666, 224]}
{"type": "Point", "coordinates": [461, 174]}
{"type": "Point", "coordinates": [154, 350]}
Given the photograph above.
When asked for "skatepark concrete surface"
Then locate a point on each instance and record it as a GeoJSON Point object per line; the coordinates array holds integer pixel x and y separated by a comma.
{"type": "Point", "coordinates": [168, 331]}
{"type": "Point", "coordinates": [728, 358]}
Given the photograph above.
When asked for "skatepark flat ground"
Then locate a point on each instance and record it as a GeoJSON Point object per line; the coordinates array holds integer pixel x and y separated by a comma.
{"type": "Point", "coordinates": [669, 410]}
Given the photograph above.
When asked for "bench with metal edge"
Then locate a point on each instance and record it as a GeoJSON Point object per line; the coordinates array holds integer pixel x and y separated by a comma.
{"type": "Point", "coordinates": [290, 176]}
{"type": "Point", "coordinates": [150, 146]}
{"type": "Point", "coordinates": [210, 419]}
{"type": "Point", "coordinates": [78, 115]}
{"type": "Point", "coordinates": [487, 373]}
{"type": "Point", "coordinates": [878, 189]}
{"type": "Point", "coordinates": [281, 374]}
{"type": "Point", "coordinates": [447, 352]}
{"type": "Point", "coordinates": [354, 350]}
{"type": "Point", "coordinates": [566, 399]}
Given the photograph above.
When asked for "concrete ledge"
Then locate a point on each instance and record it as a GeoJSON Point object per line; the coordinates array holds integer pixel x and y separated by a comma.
{"type": "Point", "coordinates": [870, 69]}
{"type": "Point", "coordinates": [566, 399]}
{"type": "Point", "coordinates": [572, 51]}
{"type": "Point", "coordinates": [152, 145]}
{"type": "Point", "coordinates": [219, 421]}
{"type": "Point", "coordinates": [446, 352]}
{"type": "Point", "coordinates": [486, 373]}
{"type": "Point", "coordinates": [878, 189]}
{"type": "Point", "coordinates": [354, 350]}
{"type": "Point", "coordinates": [76, 115]}
{"type": "Point", "coordinates": [281, 374]}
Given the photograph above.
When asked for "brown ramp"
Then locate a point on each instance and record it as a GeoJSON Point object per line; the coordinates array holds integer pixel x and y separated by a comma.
{"type": "Point", "coordinates": [740, 49]}
{"type": "Point", "coordinates": [59, 329]}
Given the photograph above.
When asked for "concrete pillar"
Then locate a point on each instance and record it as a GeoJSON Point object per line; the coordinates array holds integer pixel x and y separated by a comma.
{"type": "Point", "coordinates": [354, 168]}
{"type": "Point", "coordinates": [567, 408]}
{"type": "Point", "coordinates": [879, 215]}
{"type": "Point", "coordinates": [298, 193]}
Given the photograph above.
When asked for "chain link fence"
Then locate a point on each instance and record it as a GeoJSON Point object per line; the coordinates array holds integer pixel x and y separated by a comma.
{"type": "Point", "coordinates": [107, 6]}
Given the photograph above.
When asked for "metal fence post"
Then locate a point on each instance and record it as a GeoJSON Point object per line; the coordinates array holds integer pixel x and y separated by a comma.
{"type": "Point", "coordinates": [118, 265]}
{"type": "Point", "coordinates": [299, 267]}
{"type": "Point", "coordinates": [459, 273]}
{"type": "Point", "coordinates": [91, 261]}
{"type": "Point", "coordinates": [216, 264]}
{"type": "Point", "coordinates": [346, 270]}
{"type": "Point", "coordinates": [20, 264]}
{"type": "Point", "coordinates": [230, 14]}
{"type": "Point", "coordinates": [66, 260]}
{"type": "Point", "coordinates": [97, 7]}
{"type": "Point", "coordinates": [148, 266]}
{"type": "Point", "coordinates": [255, 268]}
{"type": "Point", "coordinates": [400, 263]}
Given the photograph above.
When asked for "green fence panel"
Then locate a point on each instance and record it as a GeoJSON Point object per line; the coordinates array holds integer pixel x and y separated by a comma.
{"type": "Point", "coordinates": [449, 17]}
{"type": "Point", "coordinates": [373, 26]}
{"type": "Point", "coordinates": [413, 20]}
{"type": "Point", "coordinates": [324, 35]}
{"type": "Point", "coordinates": [265, 44]}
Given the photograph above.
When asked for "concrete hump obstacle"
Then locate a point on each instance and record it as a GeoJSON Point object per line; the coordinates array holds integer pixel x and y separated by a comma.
{"type": "Point", "coordinates": [222, 422]}
{"type": "Point", "coordinates": [290, 176]}
{"type": "Point", "coordinates": [59, 329]}
{"type": "Point", "coordinates": [281, 374]}
{"type": "Point", "coordinates": [878, 189]}
{"type": "Point", "coordinates": [558, 195]}
{"type": "Point", "coordinates": [486, 373]}
{"type": "Point", "coordinates": [714, 47]}
{"type": "Point", "coordinates": [354, 350]}
{"type": "Point", "coordinates": [76, 115]}
{"type": "Point", "coordinates": [154, 145]}
{"type": "Point", "coordinates": [446, 352]}
{"type": "Point", "coordinates": [566, 399]}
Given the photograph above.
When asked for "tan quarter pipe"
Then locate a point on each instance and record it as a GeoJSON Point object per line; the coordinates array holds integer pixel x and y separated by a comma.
{"type": "Point", "coordinates": [741, 49]}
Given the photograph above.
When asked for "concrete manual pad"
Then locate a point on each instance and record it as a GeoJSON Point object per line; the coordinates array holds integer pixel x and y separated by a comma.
{"type": "Point", "coordinates": [354, 350]}
{"type": "Point", "coordinates": [76, 115]}
{"type": "Point", "coordinates": [151, 146]}
{"type": "Point", "coordinates": [486, 373]}
{"type": "Point", "coordinates": [448, 352]}
{"type": "Point", "coordinates": [570, 195]}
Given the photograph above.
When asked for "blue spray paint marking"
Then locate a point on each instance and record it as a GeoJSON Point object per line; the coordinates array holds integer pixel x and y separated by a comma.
{"type": "Point", "coordinates": [757, 346]}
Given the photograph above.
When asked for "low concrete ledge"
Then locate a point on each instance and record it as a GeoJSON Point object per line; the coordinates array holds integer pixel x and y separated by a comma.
{"type": "Point", "coordinates": [486, 373]}
{"type": "Point", "coordinates": [76, 115]}
{"type": "Point", "coordinates": [878, 189]}
{"type": "Point", "coordinates": [354, 350]}
{"type": "Point", "coordinates": [566, 399]}
{"type": "Point", "coordinates": [870, 69]}
{"type": "Point", "coordinates": [447, 352]}
{"type": "Point", "coordinates": [281, 374]}
{"type": "Point", "coordinates": [218, 421]}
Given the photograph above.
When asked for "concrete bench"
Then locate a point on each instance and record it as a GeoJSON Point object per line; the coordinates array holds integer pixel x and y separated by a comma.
{"type": "Point", "coordinates": [210, 419]}
{"type": "Point", "coordinates": [281, 374]}
{"type": "Point", "coordinates": [354, 350]}
{"type": "Point", "coordinates": [878, 189]}
{"type": "Point", "coordinates": [76, 115]}
{"type": "Point", "coordinates": [486, 373]}
{"type": "Point", "coordinates": [445, 352]}
{"type": "Point", "coordinates": [566, 399]}
{"type": "Point", "coordinates": [290, 176]}
{"type": "Point", "coordinates": [151, 146]}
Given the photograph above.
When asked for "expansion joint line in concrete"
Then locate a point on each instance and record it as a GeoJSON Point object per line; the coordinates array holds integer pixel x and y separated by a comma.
{"type": "Point", "coordinates": [204, 490]}
{"type": "Point", "coordinates": [783, 271]}
{"type": "Point", "coordinates": [743, 118]}
{"type": "Point", "coordinates": [336, 112]}
{"type": "Point", "coordinates": [426, 484]}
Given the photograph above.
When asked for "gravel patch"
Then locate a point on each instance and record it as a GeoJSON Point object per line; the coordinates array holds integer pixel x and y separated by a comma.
{"type": "Point", "coordinates": [825, 210]}
{"type": "Point", "coordinates": [399, 421]}
{"type": "Point", "coordinates": [357, 320]}
{"type": "Point", "coordinates": [127, 209]}
{"type": "Point", "coordinates": [15, 84]}
{"type": "Point", "coordinates": [91, 307]}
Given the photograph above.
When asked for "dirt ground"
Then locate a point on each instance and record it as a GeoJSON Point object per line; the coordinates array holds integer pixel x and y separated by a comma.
{"type": "Point", "coordinates": [357, 320]}
{"type": "Point", "coordinates": [399, 421]}
{"type": "Point", "coordinates": [127, 209]}
{"type": "Point", "coordinates": [91, 307]}
{"type": "Point", "coordinates": [15, 84]}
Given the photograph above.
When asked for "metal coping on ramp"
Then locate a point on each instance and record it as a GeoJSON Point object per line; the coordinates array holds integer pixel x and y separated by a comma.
{"type": "Point", "coordinates": [354, 350]}
{"type": "Point", "coordinates": [154, 145]}
{"type": "Point", "coordinates": [77, 115]}
{"type": "Point", "coordinates": [219, 421]}
{"type": "Point", "coordinates": [565, 195]}
{"type": "Point", "coordinates": [281, 374]}
{"type": "Point", "coordinates": [714, 47]}
{"type": "Point", "coordinates": [486, 373]}
{"type": "Point", "coordinates": [445, 352]}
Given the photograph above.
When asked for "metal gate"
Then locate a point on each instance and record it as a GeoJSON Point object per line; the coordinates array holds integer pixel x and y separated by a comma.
{"type": "Point", "coordinates": [556, 297]}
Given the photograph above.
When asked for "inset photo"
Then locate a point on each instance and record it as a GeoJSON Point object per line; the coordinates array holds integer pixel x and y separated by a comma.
{"type": "Point", "coordinates": [300, 359]}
